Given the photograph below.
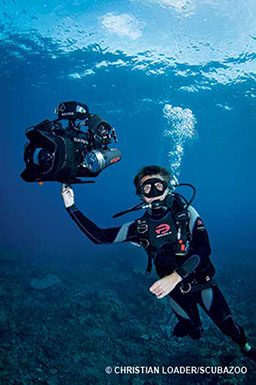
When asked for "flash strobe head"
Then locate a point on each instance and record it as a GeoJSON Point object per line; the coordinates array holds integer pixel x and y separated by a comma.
{"type": "Point", "coordinates": [72, 111]}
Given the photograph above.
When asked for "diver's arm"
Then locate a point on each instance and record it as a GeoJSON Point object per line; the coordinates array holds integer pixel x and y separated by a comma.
{"type": "Point", "coordinates": [200, 240]}
{"type": "Point", "coordinates": [92, 231]}
{"type": "Point", "coordinates": [165, 285]}
{"type": "Point", "coordinates": [124, 233]}
{"type": "Point", "coordinates": [201, 246]}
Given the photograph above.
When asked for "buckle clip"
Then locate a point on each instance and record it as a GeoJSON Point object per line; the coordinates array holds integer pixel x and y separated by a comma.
{"type": "Point", "coordinates": [184, 291]}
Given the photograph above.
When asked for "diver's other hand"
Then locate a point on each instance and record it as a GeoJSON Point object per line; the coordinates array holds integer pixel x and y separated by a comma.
{"type": "Point", "coordinates": [164, 286]}
{"type": "Point", "coordinates": [68, 196]}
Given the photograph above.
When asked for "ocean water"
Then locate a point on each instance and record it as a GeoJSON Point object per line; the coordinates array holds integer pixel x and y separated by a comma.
{"type": "Point", "coordinates": [176, 78]}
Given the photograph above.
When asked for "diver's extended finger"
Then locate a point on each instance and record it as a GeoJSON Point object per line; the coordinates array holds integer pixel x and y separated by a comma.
{"type": "Point", "coordinates": [159, 284]}
{"type": "Point", "coordinates": [162, 295]}
{"type": "Point", "coordinates": [153, 289]}
{"type": "Point", "coordinates": [157, 290]}
{"type": "Point", "coordinates": [64, 188]}
{"type": "Point", "coordinates": [67, 190]}
{"type": "Point", "coordinates": [154, 286]}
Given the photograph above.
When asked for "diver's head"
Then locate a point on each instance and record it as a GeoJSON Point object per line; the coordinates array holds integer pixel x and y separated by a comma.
{"type": "Point", "coordinates": [152, 184]}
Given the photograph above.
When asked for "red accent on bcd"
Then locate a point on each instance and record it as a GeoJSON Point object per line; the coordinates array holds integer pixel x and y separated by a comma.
{"type": "Point", "coordinates": [163, 228]}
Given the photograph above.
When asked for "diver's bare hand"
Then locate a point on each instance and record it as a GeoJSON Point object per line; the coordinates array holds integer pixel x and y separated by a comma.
{"type": "Point", "coordinates": [164, 286]}
{"type": "Point", "coordinates": [68, 195]}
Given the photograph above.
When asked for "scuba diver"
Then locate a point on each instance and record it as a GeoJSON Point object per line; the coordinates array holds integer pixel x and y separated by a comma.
{"type": "Point", "coordinates": [176, 241]}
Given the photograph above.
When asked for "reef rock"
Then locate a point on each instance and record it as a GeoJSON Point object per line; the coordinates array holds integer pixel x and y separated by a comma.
{"type": "Point", "coordinates": [43, 283]}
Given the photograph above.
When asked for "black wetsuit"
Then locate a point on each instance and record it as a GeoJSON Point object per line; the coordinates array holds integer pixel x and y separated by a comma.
{"type": "Point", "coordinates": [183, 300]}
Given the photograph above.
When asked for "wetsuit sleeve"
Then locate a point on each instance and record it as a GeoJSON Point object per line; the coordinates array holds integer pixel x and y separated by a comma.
{"type": "Point", "coordinates": [200, 240]}
{"type": "Point", "coordinates": [124, 233]}
{"type": "Point", "coordinates": [200, 249]}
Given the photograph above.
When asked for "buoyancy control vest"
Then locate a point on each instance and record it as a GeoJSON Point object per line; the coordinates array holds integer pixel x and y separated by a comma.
{"type": "Point", "coordinates": [166, 236]}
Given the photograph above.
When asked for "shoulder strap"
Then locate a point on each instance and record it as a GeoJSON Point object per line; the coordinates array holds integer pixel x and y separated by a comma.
{"type": "Point", "coordinates": [193, 216]}
{"type": "Point", "coordinates": [178, 202]}
{"type": "Point", "coordinates": [142, 231]}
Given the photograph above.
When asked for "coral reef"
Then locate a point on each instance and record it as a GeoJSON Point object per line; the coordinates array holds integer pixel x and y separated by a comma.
{"type": "Point", "coordinates": [81, 316]}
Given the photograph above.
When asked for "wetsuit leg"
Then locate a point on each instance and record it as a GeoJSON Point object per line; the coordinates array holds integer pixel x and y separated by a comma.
{"type": "Point", "coordinates": [215, 305]}
{"type": "Point", "coordinates": [185, 308]}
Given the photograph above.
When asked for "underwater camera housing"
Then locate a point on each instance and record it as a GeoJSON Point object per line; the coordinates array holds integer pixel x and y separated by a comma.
{"type": "Point", "coordinates": [64, 154]}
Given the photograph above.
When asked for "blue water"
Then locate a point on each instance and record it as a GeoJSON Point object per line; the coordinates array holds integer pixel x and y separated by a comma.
{"type": "Point", "coordinates": [127, 61]}
{"type": "Point", "coordinates": [176, 78]}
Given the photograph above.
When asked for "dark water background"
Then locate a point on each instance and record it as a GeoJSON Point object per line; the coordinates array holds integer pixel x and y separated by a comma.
{"type": "Point", "coordinates": [127, 60]}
